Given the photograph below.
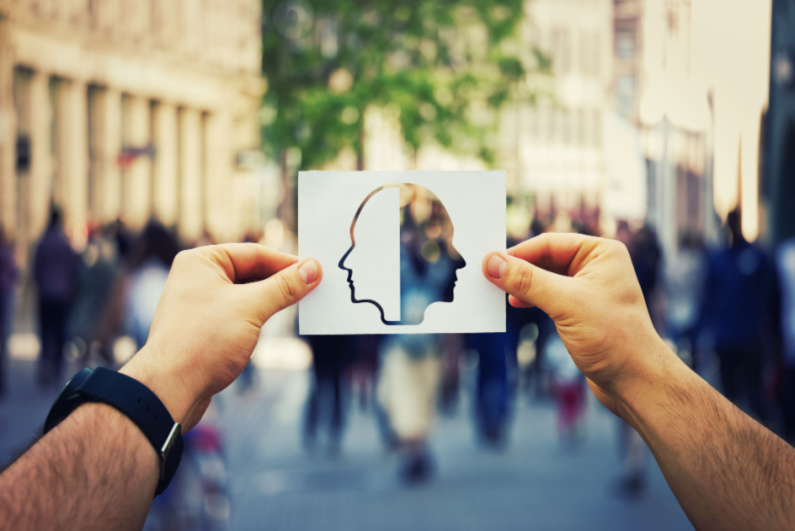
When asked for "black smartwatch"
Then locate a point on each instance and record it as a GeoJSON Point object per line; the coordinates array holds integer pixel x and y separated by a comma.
{"type": "Point", "coordinates": [133, 399]}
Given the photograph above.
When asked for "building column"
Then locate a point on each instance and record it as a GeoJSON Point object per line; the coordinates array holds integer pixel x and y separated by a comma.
{"type": "Point", "coordinates": [247, 182]}
{"type": "Point", "coordinates": [105, 148]}
{"type": "Point", "coordinates": [136, 207]}
{"type": "Point", "coordinates": [166, 168]}
{"type": "Point", "coordinates": [8, 173]}
{"type": "Point", "coordinates": [191, 220]}
{"type": "Point", "coordinates": [41, 181]}
{"type": "Point", "coordinates": [219, 208]}
{"type": "Point", "coordinates": [71, 190]}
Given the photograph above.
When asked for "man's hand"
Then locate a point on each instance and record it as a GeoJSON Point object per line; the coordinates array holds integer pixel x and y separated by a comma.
{"type": "Point", "coordinates": [588, 287]}
{"type": "Point", "coordinates": [208, 321]}
{"type": "Point", "coordinates": [96, 469]}
{"type": "Point", "coordinates": [726, 470]}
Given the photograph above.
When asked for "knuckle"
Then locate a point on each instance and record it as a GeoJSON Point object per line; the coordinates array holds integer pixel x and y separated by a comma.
{"type": "Point", "coordinates": [522, 280]}
{"type": "Point", "coordinates": [619, 248]}
{"type": "Point", "coordinates": [286, 288]}
{"type": "Point", "coordinates": [184, 257]}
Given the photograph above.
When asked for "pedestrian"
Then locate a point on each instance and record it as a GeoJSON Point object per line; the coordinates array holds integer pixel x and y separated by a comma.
{"type": "Point", "coordinates": [725, 469]}
{"type": "Point", "coordinates": [150, 262]}
{"type": "Point", "coordinates": [331, 356]}
{"type": "Point", "coordinates": [8, 279]}
{"type": "Point", "coordinates": [408, 383]}
{"type": "Point", "coordinates": [646, 256]}
{"type": "Point", "coordinates": [492, 390]}
{"type": "Point", "coordinates": [364, 369]}
{"type": "Point", "coordinates": [93, 317]}
{"type": "Point", "coordinates": [736, 313]}
{"type": "Point", "coordinates": [568, 387]}
{"type": "Point", "coordinates": [55, 268]}
{"type": "Point", "coordinates": [517, 319]}
{"type": "Point", "coordinates": [684, 287]}
{"type": "Point", "coordinates": [123, 238]}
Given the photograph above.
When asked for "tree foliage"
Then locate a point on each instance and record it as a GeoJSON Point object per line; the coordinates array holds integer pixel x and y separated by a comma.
{"type": "Point", "coordinates": [442, 66]}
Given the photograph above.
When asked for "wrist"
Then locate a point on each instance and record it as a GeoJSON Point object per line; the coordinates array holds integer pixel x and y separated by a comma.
{"type": "Point", "coordinates": [647, 383]}
{"type": "Point", "coordinates": [165, 383]}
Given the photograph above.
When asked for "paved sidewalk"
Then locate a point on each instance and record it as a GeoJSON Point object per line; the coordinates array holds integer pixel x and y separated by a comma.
{"type": "Point", "coordinates": [23, 409]}
{"type": "Point", "coordinates": [534, 484]}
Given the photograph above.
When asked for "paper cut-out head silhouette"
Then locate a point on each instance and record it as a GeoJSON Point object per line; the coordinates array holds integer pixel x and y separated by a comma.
{"type": "Point", "coordinates": [402, 257]}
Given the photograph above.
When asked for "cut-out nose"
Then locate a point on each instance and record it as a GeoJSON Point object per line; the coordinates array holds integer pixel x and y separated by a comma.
{"type": "Point", "coordinates": [341, 263]}
{"type": "Point", "coordinates": [459, 262]}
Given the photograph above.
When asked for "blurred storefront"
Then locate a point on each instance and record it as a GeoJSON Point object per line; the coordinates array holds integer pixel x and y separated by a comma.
{"type": "Point", "coordinates": [129, 109]}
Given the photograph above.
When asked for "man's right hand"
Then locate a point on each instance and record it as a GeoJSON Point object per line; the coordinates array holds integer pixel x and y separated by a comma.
{"type": "Point", "coordinates": [726, 470]}
{"type": "Point", "coordinates": [588, 287]}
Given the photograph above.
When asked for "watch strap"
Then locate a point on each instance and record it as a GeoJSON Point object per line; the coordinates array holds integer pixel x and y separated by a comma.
{"type": "Point", "coordinates": [139, 404]}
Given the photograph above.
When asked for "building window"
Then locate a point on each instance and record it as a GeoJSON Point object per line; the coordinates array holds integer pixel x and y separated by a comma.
{"type": "Point", "coordinates": [596, 126]}
{"type": "Point", "coordinates": [585, 54]}
{"type": "Point", "coordinates": [625, 45]}
{"type": "Point", "coordinates": [625, 95]}
{"type": "Point", "coordinates": [589, 55]}
{"type": "Point", "coordinates": [596, 56]}
{"type": "Point", "coordinates": [651, 187]}
{"type": "Point", "coordinates": [532, 123]}
{"type": "Point", "coordinates": [565, 122]}
{"type": "Point", "coordinates": [555, 122]}
{"type": "Point", "coordinates": [552, 127]}
{"type": "Point", "coordinates": [582, 134]}
{"type": "Point", "coordinates": [561, 52]}
{"type": "Point", "coordinates": [542, 117]}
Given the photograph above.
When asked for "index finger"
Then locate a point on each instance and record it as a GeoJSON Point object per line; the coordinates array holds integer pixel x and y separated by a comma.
{"type": "Point", "coordinates": [562, 253]}
{"type": "Point", "coordinates": [247, 262]}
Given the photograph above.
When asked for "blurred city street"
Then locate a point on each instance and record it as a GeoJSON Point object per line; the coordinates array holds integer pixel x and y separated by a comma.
{"type": "Point", "coordinates": [135, 132]}
{"type": "Point", "coordinates": [534, 483]}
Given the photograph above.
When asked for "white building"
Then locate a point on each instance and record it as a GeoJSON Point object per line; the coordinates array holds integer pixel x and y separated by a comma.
{"type": "Point", "coordinates": [553, 148]}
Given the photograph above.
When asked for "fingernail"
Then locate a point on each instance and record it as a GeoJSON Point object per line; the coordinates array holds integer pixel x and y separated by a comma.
{"type": "Point", "coordinates": [308, 271]}
{"type": "Point", "coordinates": [496, 266]}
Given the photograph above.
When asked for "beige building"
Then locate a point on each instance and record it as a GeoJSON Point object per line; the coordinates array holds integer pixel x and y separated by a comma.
{"type": "Point", "coordinates": [129, 109]}
{"type": "Point", "coordinates": [693, 76]}
{"type": "Point", "coordinates": [553, 149]}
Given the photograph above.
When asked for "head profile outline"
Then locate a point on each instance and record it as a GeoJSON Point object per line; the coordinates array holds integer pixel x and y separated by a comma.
{"type": "Point", "coordinates": [428, 259]}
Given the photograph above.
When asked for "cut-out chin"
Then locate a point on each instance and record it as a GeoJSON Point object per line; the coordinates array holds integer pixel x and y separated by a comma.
{"type": "Point", "coordinates": [409, 315]}
{"type": "Point", "coordinates": [404, 321]}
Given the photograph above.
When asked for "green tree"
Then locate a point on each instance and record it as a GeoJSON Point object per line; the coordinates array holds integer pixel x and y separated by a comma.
{"type": "Point", "coordinates": [444, 66]}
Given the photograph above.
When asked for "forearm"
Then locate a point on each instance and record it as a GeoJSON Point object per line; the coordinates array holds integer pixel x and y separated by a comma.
{"type": "Point", "coordinates": [95, 470]}
{"type": "Point", "coordinates": [726, 470]}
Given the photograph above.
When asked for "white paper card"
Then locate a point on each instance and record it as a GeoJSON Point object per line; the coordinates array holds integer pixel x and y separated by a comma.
{"type": "Point", "coordinates": [401, 251]}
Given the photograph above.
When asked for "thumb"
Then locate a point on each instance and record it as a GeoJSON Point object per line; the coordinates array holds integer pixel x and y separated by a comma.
{"type": "Point", "coordinates": [530, 284]}
{"type": "Point", "coordinates": [287, 287]}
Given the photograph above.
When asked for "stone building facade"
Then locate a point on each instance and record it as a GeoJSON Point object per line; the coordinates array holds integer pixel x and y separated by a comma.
{"type": "Point", "coordinates": [128, 109]}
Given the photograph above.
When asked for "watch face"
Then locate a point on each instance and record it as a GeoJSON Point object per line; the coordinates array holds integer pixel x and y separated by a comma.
{"type": "Point", "coordinates": [75, 383]}
{"type": "Point", "coordinates": [61, 407]}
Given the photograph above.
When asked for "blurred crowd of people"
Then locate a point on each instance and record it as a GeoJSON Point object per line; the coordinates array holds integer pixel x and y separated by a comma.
{"type": "Point", "coordinates": [727, 311]}
{"type": "Point", "coordinates": [86, 300]}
